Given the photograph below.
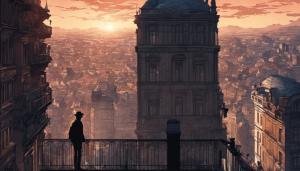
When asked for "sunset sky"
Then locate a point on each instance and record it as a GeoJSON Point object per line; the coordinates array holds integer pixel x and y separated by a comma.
{"type": "Point", "coordinates": [113, 15]}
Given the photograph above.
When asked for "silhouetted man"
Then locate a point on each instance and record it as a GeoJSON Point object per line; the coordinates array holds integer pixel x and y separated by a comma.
{"type": "Point", "coordinates": [76, 136]}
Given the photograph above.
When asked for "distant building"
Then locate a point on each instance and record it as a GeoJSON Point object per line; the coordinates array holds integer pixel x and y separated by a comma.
{"type": "Point", "coordinates": [25, 93]}
{"type": "Point", "coordinates": [296, 66]}
{"type": "Point", "coordinates": [177, 66]}
{"type": "Point", "coordinates": [277, 123]}
{"type": "Point", "coordinates": [125, 117]}
{"type": "Point", "coordinates": [103, 126]}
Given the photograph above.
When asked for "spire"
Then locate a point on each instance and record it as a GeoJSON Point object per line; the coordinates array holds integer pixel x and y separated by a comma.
{"type": "Point", "coordinates": [213, 6]}
{"type": "Point", "coordinates": [46, 6]}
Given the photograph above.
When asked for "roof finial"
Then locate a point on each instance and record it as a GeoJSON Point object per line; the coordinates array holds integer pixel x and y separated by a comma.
{"type": "Point", "coordinates": [46, 6]}
{"type": "Point", "coordinates": [213, 6]}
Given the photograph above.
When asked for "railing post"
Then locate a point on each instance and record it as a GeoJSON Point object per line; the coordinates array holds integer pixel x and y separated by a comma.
{"type": "Point", "coordinates": [173, 142]}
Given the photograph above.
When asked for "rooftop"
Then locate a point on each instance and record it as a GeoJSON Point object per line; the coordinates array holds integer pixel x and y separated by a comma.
{"type": "Point", "coordinates": [177, 6]}
{"type": "Point", "coordinates": [284, 87]}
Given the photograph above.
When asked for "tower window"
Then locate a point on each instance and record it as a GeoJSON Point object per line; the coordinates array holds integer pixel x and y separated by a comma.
{"type": "Point", "coordinates": [198, 105]}
{"type": "Point", "coordinates": [280, 135]}
{"type": "Point", "coordinates": [178, 34]}
{"type": "Point", "coordinates": [296, 134]}
{"type": "Point", "coordinates": [153, 70]}
{"type": "Point", "coordinates": [296, 161]}
{"type": "Point", "coordinates": [296, 106]}
{"type": "Point", "coordinates": [7, 91]}
{"type": "Point", "coordinates": [199, 36]}
{"type": "Point", "coordinates": [178, 105]}
{"type": "Point", "coordinates": [7, 52]}
{"type": "Point", "coordinates": [280, 158]}
{"type": "Point", "coordinates": [153, 34]}
{"type": "Point", "coordinates": [153, 106]}
{"type": "Point", "coordinates": [199, 71]}
{"type": "Point", "coordinates": [5, 138]}
{"type": "Point", "coordinates": [178, 70]}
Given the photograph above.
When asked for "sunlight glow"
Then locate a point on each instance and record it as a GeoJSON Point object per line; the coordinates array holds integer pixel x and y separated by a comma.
{"type": "Point", "coordinates": [109, 27]}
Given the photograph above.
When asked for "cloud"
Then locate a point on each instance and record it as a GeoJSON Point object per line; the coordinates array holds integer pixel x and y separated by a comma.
{"type": "Point", "coordinates": [286, 1]}
{"type": "Point", "coordinates": [81, 18]}
{"type": "Point", "coordinates": [70, 8]}
{"type": "Point", "coordinates": [107, 5]}
{"type": "Point", "coordinates": [293, 14]}
{"type": "Point", "coordinates": [240, 11]}
{"type": "Point", "coordinates": [111, 9]}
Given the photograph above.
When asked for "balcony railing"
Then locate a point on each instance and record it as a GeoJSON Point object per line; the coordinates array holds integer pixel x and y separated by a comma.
{"type": "Point", "coordinates": [132, 154]}
{"type": "Point", "coordinates": [43, 101]}
{"type": "Point", "coordinates": [41, 59]}
{"type": "Point", "coordinates": [44, 31]}
{"type": "Point", "coordinates": [34, 100]}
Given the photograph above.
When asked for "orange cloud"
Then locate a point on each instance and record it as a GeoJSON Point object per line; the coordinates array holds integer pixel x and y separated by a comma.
{"type": "Point", "coordinates": [92, 13]}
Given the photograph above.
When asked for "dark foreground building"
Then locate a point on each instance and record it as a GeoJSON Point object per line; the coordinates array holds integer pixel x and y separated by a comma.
{"type": "Point", "coordinates": [177, 53]}
{"type": "Point", "coordinates": [25, 94]}
{"type": "Point", "coordinates": [277, 123]}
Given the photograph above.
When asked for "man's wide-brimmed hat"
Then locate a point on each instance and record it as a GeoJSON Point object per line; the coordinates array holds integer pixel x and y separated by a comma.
{"type": "Point", "coordinates": [79, 114]}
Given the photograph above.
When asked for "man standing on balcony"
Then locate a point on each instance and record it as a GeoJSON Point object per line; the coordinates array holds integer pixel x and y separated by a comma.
{"type": "Point", "coordinates": [76, 136]}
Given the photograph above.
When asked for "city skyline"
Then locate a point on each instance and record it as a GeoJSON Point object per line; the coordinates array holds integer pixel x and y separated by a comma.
{"type": "Point", "coordinates": [117, 15]}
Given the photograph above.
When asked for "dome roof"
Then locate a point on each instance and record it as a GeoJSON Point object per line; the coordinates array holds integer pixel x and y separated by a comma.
{"type": "Point", "coordinates": [285, 86]}
{"type": "Point", "coordinates": [176, 5]}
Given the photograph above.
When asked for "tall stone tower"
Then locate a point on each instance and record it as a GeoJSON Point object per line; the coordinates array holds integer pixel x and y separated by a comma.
{"type": "Point", "coordinates": [177, 55]}
{"type": "Point", "coordinates": [102, 113]}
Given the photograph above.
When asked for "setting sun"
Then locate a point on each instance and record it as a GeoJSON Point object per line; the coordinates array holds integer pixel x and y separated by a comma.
{"type": "Point", "coordinates": [110, 27]}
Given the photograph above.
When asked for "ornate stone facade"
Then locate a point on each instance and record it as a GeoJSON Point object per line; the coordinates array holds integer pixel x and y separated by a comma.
{"type": "Point", "coordinates": [177, 55]}
{"type": "Point", "coordinates": [25, 94]}
{"type": "Point", "coordinates": [277, 124]}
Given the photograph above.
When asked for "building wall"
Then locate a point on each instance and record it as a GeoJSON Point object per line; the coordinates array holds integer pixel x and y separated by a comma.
{"type": "Point", "coordinates": [269, 139]}
{"type": "Point", "coordinates": [25, 94]}
{"type": "Point", "coordinates": [293, 134]}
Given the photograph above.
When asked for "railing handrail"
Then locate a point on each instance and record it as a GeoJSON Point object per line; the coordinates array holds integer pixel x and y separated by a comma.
{"type": "Point", "coordinates": [205, 153]}
{"type": "Point", "coordinates": [93, 139]}
{"type": "Point", "coordinates": [121, 140]}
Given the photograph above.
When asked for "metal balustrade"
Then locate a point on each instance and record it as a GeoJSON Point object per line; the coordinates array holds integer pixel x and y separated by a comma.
{"type": "Point", "coordinates": [106, 155]}
{"type": "Point", "coordinates": [132, 154]}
